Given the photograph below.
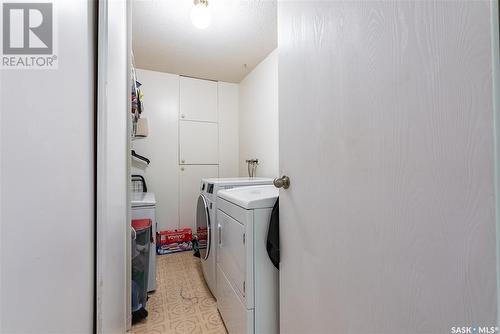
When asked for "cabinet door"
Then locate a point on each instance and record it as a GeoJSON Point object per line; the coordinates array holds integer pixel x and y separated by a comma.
{"type": "Point", "coordinates": [198, 100]}
{"type": "Point", "coordinates": [198, 143]}
{"type": "Point", "coordinates": [189, 190]}
{"type": "Point", "coordinates": [229, 149]}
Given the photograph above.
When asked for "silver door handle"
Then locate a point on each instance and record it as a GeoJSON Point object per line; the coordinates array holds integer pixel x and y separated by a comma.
{"type": "Point", "coordinates": [282, 182]}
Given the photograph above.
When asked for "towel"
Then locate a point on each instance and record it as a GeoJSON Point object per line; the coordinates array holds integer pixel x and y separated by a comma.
{"type": "Point", "coordinates": [273, 236]}
{"type": "Point", "coordinates": [142, 127]}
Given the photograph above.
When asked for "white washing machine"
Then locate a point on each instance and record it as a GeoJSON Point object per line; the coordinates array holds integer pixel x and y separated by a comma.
{"type": "Point", "coordinates": [206, 221]}
{"type": "Point", "coordinates": [247, 281]}
{"type": "Point", "coordinates": [144, 207]}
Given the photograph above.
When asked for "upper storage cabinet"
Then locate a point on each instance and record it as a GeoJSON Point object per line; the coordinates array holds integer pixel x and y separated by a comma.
{"type": "Point", "coordinates": [198, 100]}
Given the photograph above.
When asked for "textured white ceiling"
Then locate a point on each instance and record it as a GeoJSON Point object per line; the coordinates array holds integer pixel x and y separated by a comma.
{"type": "Point", "coordinates": [242, 32]}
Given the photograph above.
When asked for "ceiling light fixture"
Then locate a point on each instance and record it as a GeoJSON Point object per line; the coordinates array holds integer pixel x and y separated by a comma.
{"type": "Point", "coordinates": [200, 14]}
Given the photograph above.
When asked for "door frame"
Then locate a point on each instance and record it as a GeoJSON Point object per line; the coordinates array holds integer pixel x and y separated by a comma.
{"type": "Point", "coordinates": [113, 242]}
{"type": "Point", "coordinates": [495, 42]}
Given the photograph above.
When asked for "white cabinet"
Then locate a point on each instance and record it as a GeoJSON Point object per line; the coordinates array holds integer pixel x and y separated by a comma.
{"type": "Point", "coordinates": [229, 146]}
{"type": "Point", "coordinates": [189, 190]}
{"type": "Point", "coordinates": [198, 143]}
{"type": "Point", "coordinates": [198, 100]}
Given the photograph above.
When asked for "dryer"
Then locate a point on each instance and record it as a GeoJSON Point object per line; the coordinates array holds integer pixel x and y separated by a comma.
{"type": "Point", "coordinates": [247, 281]}
{"type": "Point", "coordinates": [206, 221]}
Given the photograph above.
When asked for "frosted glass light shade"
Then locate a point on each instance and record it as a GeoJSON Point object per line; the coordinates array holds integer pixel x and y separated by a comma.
{"type": "Point", "coordinates": [200, 16]}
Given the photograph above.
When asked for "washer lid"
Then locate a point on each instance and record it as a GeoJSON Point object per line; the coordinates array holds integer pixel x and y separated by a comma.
{"type": "Point", "coordinates": [255, 197]}
{"type": "Point", "coordinates": [142, 199]}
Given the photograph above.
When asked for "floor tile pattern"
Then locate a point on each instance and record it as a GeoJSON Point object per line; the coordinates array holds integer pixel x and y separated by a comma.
{"type": "Point", "coordinates": [182, 303]}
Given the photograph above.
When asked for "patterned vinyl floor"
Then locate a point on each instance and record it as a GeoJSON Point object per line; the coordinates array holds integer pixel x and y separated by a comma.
{"type": "Point", "coordinates": [182, 302]}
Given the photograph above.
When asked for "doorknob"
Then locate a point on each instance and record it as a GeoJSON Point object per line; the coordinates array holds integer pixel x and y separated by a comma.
{"type": "Point", "coordinates": [282, 182]}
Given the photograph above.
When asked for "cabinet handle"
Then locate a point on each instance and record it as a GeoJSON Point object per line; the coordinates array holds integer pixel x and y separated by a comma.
{"type": "Point", "coordinates": [182, 169]}
{"type": "Point", "coordinates": [183, 161]}
{"type": "Point", "coordinates": [183, 116]}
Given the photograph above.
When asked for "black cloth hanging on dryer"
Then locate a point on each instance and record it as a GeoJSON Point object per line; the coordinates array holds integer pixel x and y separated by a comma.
{"type": "Point", "coordinates": [273, 236]}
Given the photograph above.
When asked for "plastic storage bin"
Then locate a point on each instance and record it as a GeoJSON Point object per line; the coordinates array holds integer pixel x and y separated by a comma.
{"type": "Point", "coordinates": [140, 262]}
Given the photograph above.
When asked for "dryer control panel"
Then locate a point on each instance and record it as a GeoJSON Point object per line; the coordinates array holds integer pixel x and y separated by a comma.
{"type": "Point", "coordinates": [207, 187]}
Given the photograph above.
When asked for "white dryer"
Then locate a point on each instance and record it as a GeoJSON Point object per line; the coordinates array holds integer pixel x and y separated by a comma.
{"type": "Point", "coordinates": [206, 221]}
{"type": "Point", "coordinates": [144, 207]}
{"type": "Point", "coordinates": [247, 281]}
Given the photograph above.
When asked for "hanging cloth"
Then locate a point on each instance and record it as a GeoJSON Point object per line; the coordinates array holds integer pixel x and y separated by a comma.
{"type": "Point", "coordinates": [273, 240]}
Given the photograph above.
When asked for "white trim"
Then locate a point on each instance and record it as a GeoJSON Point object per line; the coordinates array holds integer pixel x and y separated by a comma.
{"type": "Point", "coordinates": [128, 292]}
{"type": "Point", "coordinates": [113, 302]}
{"type": "Point", "coordinates": [102, 57]}
{"type": "Point", "coordinates": [495, 60]}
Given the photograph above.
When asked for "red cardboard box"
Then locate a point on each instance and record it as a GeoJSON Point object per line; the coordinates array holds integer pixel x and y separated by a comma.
{"type": "Point", "coordinates": [202, 236]}
{"type": "Point", "coordinates": [171, 241]}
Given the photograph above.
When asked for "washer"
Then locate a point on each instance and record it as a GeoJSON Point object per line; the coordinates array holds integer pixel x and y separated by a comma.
{"type": "Point", "coordinates": [247, 281]}
{"type": "Point", "coordinates": [206, 221]}
{"type": "Point", "coordinates": [144, 207]}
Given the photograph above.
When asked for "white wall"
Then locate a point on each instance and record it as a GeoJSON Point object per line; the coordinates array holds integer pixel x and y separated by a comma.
{"type": "Point", "coordinates": [113, 269]}
{"type": "Point", "coordinates": [161, 105]}
{"type": "Point", "coordinates": [259, 118]}
{"type": "Point", "coordinates": [47, 192]}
